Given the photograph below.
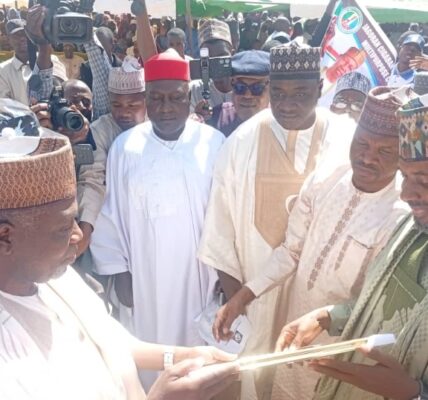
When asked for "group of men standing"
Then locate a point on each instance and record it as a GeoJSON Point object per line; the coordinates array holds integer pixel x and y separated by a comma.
{"type": "Point", "coordinates": [297, 210]}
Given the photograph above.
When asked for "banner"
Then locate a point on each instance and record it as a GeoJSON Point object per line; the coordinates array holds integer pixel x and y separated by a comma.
{"type": "Point", "coordinates": [161, 8]}
{"type": "Point", "coordinates": [354, 42]}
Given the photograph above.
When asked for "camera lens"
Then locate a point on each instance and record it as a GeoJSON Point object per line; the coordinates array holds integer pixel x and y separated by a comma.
{"type": "Point", "coordinates": [73, 121]}
{"type": "Point", "coordinates": [69, 26]}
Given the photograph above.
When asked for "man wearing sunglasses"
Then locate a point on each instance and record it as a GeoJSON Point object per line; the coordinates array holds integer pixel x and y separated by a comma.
{"type": "Point", "coordinates": [250, 91]}
{"type": "Point", "coordinates": [262, 165]}
{"type": "Point", "coordinates": [350, 95]}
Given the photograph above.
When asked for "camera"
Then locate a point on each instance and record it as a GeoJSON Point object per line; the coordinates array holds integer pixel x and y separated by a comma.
{"type": "Point", "coordinates": [207, 68]}
{"type": "Point", "coordinates": [66, 21]}
{"type": "Point", "coordinates": [62, 116]}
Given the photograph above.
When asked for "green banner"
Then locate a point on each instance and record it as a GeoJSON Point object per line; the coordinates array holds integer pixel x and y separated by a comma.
{"type": "Point", "coordinates": [214, 8]}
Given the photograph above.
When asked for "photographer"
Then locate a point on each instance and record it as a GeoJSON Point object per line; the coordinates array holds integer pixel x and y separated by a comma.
{"type": "Point", "coordinates": [214, 35]}
{"type": "Point", "coordinates": [79, 97]}
{"type": "Point", "coordinates": [99, 61]}
{"type": "Point", "coordinates": [123, 93]}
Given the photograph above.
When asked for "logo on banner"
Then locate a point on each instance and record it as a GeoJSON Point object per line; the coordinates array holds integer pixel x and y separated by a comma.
{"type": "Point", "coordinates": [350, 20]}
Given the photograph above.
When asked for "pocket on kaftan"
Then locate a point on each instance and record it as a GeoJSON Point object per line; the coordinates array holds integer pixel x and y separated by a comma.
{"type": "Point", "coordinates": [351, 267]}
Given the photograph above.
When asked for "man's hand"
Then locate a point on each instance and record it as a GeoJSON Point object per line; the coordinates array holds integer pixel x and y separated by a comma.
{"type": "Point", "coordinates": [35, 17]}
{"type": "Point", "coordinates": [189, 380]}
{"type": "Point", "coordinates": [304, 330]}
{"type": "Point", "coordinates": [79, 136]}
{"type": "Point", "coordinates": [43, 115]}
{"type": "Point", "coordinates": [123, 288]}
{"type": "Point", "coordinates": [229, 312]}
{"type": "Point", "coordinates": [419, 62]}
{"type": "Point", "coordinates": [387, 378]}
{"type": "Point", "coordinates": [87, 230]}
{"type": "Point", "coordinates": [197, 118]}
{"type": "Point", "coordinates": [210, 355]}
{"type": "Point", "coordinates": [204, 110]}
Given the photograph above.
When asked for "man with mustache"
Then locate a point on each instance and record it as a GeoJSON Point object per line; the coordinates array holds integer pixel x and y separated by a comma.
{"type": "Point", "coordinates": [262, 164]}
{"type": "Point", "coordinates": [250, 88]}
{"type": "Point", "coordinates": [338, 225]}
{"type": "Point", "coordinates": [393, 300]}
{"type": "Point", "coordinates": [158, 184]}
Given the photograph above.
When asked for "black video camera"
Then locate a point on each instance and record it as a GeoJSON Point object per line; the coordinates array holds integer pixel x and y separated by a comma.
{"type": "Point", "coordinates": [62, 116]}
{"type": "Point", "coordinates": [207, 68]}
{"type": "Point", "coordinates": [66, 21]}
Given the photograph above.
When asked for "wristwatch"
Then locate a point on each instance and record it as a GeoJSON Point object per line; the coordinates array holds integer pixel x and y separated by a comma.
{"type": "Point", "coordinates": [423, 393]}
{"type": "Point", "coordinates": [168, 357]}
{"type": "Point", "coordinates": [138, 7]}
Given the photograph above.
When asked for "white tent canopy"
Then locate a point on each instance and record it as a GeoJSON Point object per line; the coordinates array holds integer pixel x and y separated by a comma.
{"type": "Point", "coordinates": [156, 8]}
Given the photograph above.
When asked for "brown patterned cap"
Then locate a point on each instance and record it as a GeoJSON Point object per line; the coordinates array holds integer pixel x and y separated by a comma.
{"type": "Point", "coordinates": [379, 112]}
{"type": "Point", "coordinates": [44, 176]}
{"type": "Point", "coordinates": [292, 61]}
{"type": "Point", "coordinates": [213, 29]}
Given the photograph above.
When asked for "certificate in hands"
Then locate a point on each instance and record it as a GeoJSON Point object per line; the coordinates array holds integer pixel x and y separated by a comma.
{"type": "Point", "coordinates": [313, 352]}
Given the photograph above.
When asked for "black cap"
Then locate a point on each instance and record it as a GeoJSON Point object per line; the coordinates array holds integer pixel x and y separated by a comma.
{"type": "Point", "coordinates": [14, 26]}
{"type": "Point", "coordinates": [416, 39]}
{"type": "Point", "coordinates": [251, 63]}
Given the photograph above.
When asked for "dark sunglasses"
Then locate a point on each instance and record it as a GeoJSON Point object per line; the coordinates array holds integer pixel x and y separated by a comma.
{"type": "Point", "coordinates": [256, 89]}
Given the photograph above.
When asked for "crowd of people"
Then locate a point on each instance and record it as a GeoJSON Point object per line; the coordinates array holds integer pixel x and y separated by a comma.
{"type": "Point", "coordinates": [153, 223]}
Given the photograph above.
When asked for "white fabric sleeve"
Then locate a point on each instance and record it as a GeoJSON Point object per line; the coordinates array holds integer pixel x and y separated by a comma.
{"type": "Point", "coordinates": [217, 245]}
{"type": "Point", "coordinates": [109, 245]}
{"type": "Point", "coordinates": [91, 180]}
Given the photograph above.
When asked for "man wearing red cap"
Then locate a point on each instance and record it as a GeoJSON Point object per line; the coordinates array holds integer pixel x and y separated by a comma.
{"type": "Point", "coordinates": [158, 183]}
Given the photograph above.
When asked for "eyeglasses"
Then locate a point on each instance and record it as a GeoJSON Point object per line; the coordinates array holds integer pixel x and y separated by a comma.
{"type": "Point", "coordinates": [256, 89]}
{"type": "Point", "coordinates": [343, 104]}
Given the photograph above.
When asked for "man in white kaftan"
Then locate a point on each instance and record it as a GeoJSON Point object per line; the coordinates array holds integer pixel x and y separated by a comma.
{"type": "Point", "coordinates": [262, 165]}
{"type": "Point", "coordinates": [157, 190]}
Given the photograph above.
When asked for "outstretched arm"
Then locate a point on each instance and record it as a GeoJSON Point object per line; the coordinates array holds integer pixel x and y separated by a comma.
{"type": "Point", "coordinates": [145, 40]}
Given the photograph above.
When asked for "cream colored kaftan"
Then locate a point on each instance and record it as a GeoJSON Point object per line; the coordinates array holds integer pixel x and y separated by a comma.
{"type": "Point", "coordinates": [231, 242]}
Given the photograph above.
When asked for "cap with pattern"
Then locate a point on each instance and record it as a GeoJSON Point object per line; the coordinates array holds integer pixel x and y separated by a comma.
{"type": "Point", "coordinates": [167, 66]}
{"type": "Point", "coordinates": [44, 176]}
{"type": "Point", "coordinates": [212, 29]}
{"type": "Point", "coordinates": [291, 61]}
{"type": "Point", "coordinates": [127, 79]}
{"type": "Point", "coordinates": [413, 130]}
{"type": "Point", "coordinates": [379, 112]}
{"type": "Point", "coordinates": [14, 26]}
{"type": "Point", "coordinates": [355, 81]}
{"type": "Point", "coordinates": [421, 82]}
